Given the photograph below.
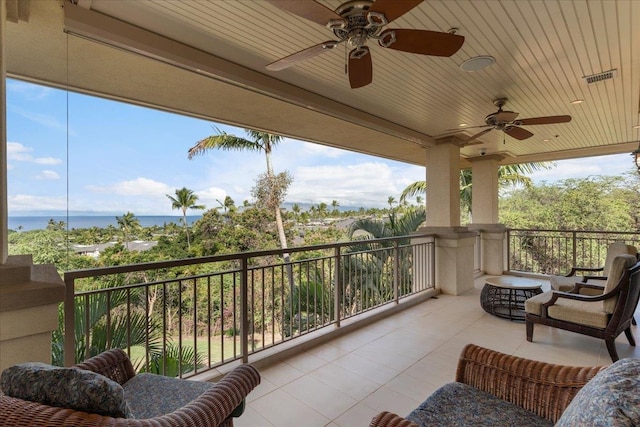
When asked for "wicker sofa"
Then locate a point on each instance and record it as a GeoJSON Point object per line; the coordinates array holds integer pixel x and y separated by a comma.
{"type": "Point", "coordinates": [496, 389]}
{"type": "Point", "coordinates": [153, 400]}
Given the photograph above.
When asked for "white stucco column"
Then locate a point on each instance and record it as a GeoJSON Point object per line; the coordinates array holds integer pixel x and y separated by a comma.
{"type": "Point", "coordinates": [29, 294]}
{"type": "Point", "coordinates": [484, 209]}
{"type": "Point", "coordinates": [443, 185]}
{"type": "Point", "coordinates": [454, 244]}
{"type": "Point", "coordinates": [4, 222]}
{"type": "Point", "coordinates": [484, 203]}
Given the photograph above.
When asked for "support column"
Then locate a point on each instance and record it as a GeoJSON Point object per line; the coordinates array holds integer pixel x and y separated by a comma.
{"type": "Point", "coordinates": [454, 244]}
{"type": "Point", "coordinates": [443, 185]}
{"type": "Point", "coordinates": [485, 213]}
{"type": "Point", "coordinates": [29, 294]}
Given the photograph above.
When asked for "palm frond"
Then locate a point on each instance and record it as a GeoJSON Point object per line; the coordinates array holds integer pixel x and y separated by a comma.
{"type": "Point", "coordinates": [416, 188]}
{"type": "Point", "coordinates": [223, 141]}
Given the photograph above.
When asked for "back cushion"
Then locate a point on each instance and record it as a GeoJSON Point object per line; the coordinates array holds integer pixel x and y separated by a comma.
{"type": "Point", "coordinates": [613, 250]}
{"type": "Point", "coordinates": [65, 388]}
{"type": "Point", "coordinates": [611, 398]}
{"type": "Point", "coordinates": [618, 267]}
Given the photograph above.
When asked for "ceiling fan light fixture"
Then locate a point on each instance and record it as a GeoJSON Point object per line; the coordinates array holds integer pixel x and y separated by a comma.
{"type": "Point", "coordinates": [477, 63]}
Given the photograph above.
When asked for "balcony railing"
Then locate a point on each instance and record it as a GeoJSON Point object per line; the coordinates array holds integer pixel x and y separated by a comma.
{"type": "Point", "coordinates": [556, 251]}
{"type": "Point", "coordinates": [184, 317]}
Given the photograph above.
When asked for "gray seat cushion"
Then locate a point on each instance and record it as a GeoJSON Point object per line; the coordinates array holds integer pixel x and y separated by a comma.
{"type": "Point", "coordinates": [457, 404]}
{"type": "Point", "coordinates": [150, 395]}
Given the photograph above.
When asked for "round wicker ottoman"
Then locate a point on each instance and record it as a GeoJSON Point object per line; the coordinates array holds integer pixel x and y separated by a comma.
{"type": "Point", "coordinates": [504, 296]}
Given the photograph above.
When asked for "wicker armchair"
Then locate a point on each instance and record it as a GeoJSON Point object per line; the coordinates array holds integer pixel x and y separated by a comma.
{"type": "Point", "coordinates": [214, 407]}
{"type": "Point", "coordinates": [542, 388]}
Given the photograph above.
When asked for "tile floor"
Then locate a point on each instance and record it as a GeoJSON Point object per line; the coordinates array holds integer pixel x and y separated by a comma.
{"type": "Point", "coordinates": [396, 363]}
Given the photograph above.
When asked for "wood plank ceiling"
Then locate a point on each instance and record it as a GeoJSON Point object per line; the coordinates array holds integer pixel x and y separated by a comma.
{"type": "Point", "coordinates": [542, 48]}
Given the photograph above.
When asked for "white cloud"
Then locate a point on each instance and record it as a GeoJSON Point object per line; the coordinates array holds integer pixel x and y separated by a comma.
{"type": "Point", "coordinates": [48, 175]}
{"type": "Point", "coordinates": [20, 153]}
{"type": "Point", "coordinates": [209, 196]}
{"type": "Point", "coordinates": [364, 184]}
{"type": "Point", "coordinates": [136, 187]}
{"type": "Point", "coordinates": [47, 161]}
{"type": "Point", "coordinates": [26, 202]}
{"type": "Point", "coordinates": [612, 165]}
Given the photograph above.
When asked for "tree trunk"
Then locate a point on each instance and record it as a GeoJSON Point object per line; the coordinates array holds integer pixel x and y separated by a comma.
{"type": "Point", "coordinates": [280, 227]}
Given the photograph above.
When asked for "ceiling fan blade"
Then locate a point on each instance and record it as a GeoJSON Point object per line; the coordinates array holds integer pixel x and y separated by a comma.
{"type": "Point", "coordinates": [517, 132]}
{"type": "Point", "coordinates": [308, 9]}
{"type": "Point", "coordinates": [307, 53]}
{"type": "Point", "coordinates": [506, 116]}
{"type": "Point", "coordinates": [393, 9]}
{"type": "Point", "coordinates": [477, 135]}
{"type": "Point", "coordinates": [424, 42]}
{"type": "Point", "coordinates": [360, 67]}
{"type": "Point", "coordinates": [545, 120]}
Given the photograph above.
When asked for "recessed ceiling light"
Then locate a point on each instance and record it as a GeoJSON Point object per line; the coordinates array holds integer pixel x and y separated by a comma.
{"type": "Point", "coordinates": [477, 63]}
{"type": "Point", "coordinates": [577, 101]}
{"type": "Point", "coordinates": [463, 125]}
{"type": "Point", "coordinates": [546, 140]}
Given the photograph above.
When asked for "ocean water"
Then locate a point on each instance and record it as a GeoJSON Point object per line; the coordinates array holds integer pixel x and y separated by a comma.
{"type": "Point", "coordinates": [26, 223]}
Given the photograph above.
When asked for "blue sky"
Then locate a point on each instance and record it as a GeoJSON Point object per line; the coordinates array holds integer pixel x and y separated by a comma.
{"type": "Point", "coordinates": [126, 158]}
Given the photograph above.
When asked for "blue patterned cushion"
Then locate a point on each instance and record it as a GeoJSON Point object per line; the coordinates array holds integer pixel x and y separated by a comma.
{"type": "Point", "coordinates": [611, 398]}
{"type": "Point", "coordinates": [150, 395]}
{"type": "Point", "coordinates": [457, 404]}
{"type": "Point", "coordinates": [65, 388]}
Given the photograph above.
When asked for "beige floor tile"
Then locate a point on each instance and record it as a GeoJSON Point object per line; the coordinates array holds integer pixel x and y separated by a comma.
{"type": "Point", "coordinates": [281, 374]}
{"type": "Point", "coordinates": [251, 418]}
{"type": "Point", "coordinates": [351, 384]}
{"type": "Point", "coordinates": [387, 399]}
{"type": "Point", "coordinates": [329, 352]}
{"type": "Point", "coordinates": [305, 362]}
{"type": "Point", "coordinates": [326, 400]}
{"type": "Point", "coordinates": [358, 416]}
{"type": "Point", "coordinates": [366, 368]}
{"type": "Point", "coordinates": [263, 388]}
{"type": "Point", "coordinates": [282, 410]}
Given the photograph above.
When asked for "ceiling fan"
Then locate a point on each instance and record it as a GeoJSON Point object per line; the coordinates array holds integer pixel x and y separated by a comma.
{"type": "Point", "coordinates": [506, 122]}
{"type": "Point", "coordinates": [357, 21]}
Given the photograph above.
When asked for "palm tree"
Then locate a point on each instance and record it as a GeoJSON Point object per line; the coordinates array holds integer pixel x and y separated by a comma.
{"type": "Point", "coordinates": [367, 280]}
{"type": "Point", "coordinates": [128, 223]}
{"type": "Point", "coordinates": [185, 199]}
{"type": "Point", "coordinates": [508, 175]}
{"type": "Point", "coordinates": [334, 205]}
{"type": "Point", "coordinates": [259, 141]}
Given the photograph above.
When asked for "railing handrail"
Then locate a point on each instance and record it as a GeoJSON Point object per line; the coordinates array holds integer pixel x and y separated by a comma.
{"type": "Point", "coordinates": [572, 231]}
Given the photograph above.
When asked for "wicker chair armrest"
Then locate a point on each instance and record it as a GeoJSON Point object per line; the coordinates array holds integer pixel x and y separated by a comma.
{"type": "Point", "coordinates": [211, 409]}
{"type": "Point", "coordinates": [575, 270]}
{"type": "Point", "coordinates": [113, 364]}
{"type": "Point", "coordinates": [389, 419]}
{"type": "Point", "coordinates": [543, 388]}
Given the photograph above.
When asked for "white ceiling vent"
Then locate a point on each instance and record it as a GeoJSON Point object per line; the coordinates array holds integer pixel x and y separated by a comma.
{"type": "Point", "coordinates": [605, 75]}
